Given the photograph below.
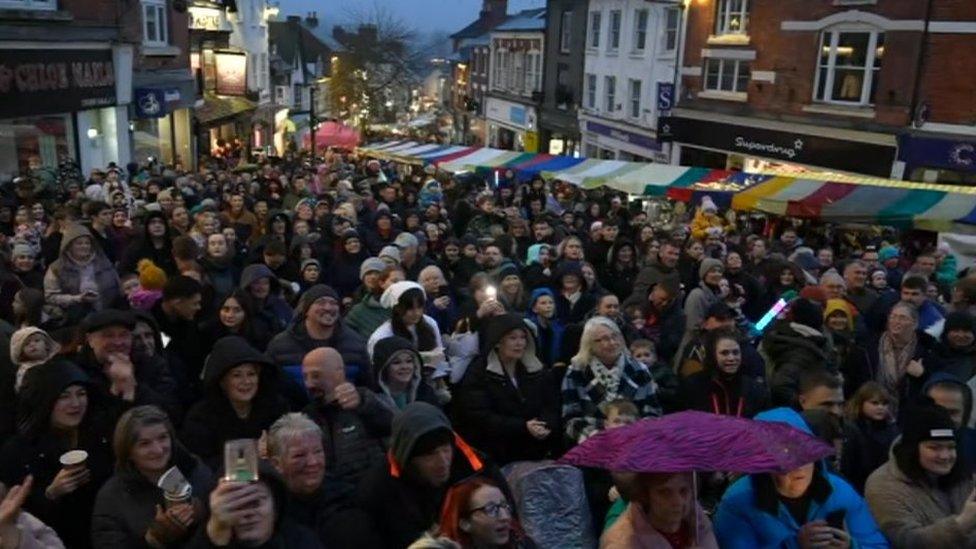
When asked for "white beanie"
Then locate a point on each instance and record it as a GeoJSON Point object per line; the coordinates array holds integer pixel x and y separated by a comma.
{"type": "Point", "coordinates": [708, 205]}
{"type": "Point", "coordinates": [392, 294]}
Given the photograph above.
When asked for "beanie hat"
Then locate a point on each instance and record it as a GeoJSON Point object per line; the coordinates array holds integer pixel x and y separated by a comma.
{"type": "Point", "coordinates": [842, 306]}
{"type": "Point", "coordinates": [309, 262]}
{"type": "Point", "coordinates": [312, 295]}
{"type": "Point", "coordinates": [707, 265]}
{"type": "Point", "coordinates": [370, 265]}
{"type": "Point", "coordinates": [392, 252]}
{"type": "Point", "coordinates": [927, 422]}
{"type": "Point", "coordinates": [814, 293]}
{"type": "Point", "coordinates": [708, 205]}
{"type": "Point", "coordinates": [151, 277]}
{"type": "Point", "coordinates": [22, 249]}
{"type": "Point", "coordinates": [405, 240]}
{"type": "Point", "coordinates": [959, 321]}
{"type": "Point", "coordinates": [392, 294]}
{"type": "Point", "coordinates": [807, 313]}
{"type": "Point", "coordinates": [888, 252]}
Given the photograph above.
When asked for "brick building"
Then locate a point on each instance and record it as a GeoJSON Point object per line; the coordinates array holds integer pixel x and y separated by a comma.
{"type": "Point", "coordinates": [563, 76]}
{"type": "Point", "coordinates": [800, 84]}
{"type": "Point", "coordinates": [470, 61]}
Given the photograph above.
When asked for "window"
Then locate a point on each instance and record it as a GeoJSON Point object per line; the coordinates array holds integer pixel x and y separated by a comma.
{"type": "Point", "coordinates": [154, 25]}
{"type": "Point", "coordinates": [847, 71]}
{"type": "Point", "coordinates": [669, 36]}
{"type": "Point", "coordinates": [595, 25]}
{"type": "Point", "coordinates": [29, 4]}
{"type": "Point", "coordinates": [565, 31]}
{"type": "Point", "coordinates": [732, 17]}
{"type": "Point", "coordinates": [640, 30]}
{"type": "Point", "coordinates": [497, 80]}
{"type": "Point", "coordinates": [280, 92]}
{"type": "Point", "coordinates": [610, 89]}
{"type": "Point", "coordinates": [727, 75]}
{"type": "Point", "coordinates": [517, 82]}
{"type": "Point", "coordinates": [614, 30]}
{"type": "Point", "coordinates": [533, 71]}
{"type": "Point", "coordinates": [264, 71]}
{"type": "Point", "coordinates": [591, 91]}
{"type": "Point", "coordinates": [635, 98]}
{"type": "Point", "coordinates": [298, 99]}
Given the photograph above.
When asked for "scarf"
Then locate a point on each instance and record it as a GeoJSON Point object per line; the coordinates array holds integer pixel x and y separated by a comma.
{"type": "Point", "coordinates": [609, 378]}
{"type": "Point", "coordinates": [894, 361]}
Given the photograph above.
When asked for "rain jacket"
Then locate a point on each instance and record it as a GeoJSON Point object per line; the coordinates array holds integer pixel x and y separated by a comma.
{"type": "Point", "coordinates": [913, 514]}
{"type": "Point", "coordinates": [418, 390]}
{"type": "Point", "coordinates": [491, 409]}
{"type": "Point", "coordinates": [741, 524]}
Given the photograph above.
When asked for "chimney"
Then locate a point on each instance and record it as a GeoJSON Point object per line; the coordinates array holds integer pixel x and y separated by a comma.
{"type": "Point", "coordinates": [312, 20]}
{"type": "Point", "coordinates": [494, 12]}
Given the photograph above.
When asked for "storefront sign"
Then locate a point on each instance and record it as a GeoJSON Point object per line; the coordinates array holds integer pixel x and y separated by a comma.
{"type": "Point", "coordinates": [208, 19]}
{"type": "Point", "coordinates": [231, 73]}
{"type": "Point", "coordinates": [665, 96]}
{"type": "Point", "coordinates": [621, 135]}
{"type": "Point", "coordinates": [516, 115]}
{"type": "Point", "coordinates": [54, 81]}
{"type": "Point", "coordinates": [154, 102]}
{"type": "Point", "coordinates": [839, 154]}
{"type": "Point", "coordinates": [932, 152]}
{"type": "Point", "coordinates": [531, 144]}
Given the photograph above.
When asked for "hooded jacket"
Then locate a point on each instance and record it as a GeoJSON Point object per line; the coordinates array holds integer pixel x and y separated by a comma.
{"type": "Point", "coordinates": [144, 249]}
{"type": "Point", "coordinates": [64, 278]}
{"type": "Point", "coordinates": [418, 390]}
{"type": "Point", "coordinates": [274, 314]}
{"type": "Point", "coordinates": [17, 342]}
{"type": "Point", "coordinates": [792, 349]}
{"type": "Point", "coordinates": [741, 522]}
{"type": "Point", "coordinates": [915, 514]}
{"type": "Point", "coordinates": [213, 421]}
{"type": "Point", "coordinates": [619, 280]}
{"type": "Point", "coordinates": [491, 409]}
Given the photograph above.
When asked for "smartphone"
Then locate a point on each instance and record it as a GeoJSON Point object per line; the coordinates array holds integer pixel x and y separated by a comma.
{"type": "Point", "coordinates": [241, 460]}
{"type": "Point", "coordinates": [836, 519]}
{"type": "Point", "coordinates": [491, 292]}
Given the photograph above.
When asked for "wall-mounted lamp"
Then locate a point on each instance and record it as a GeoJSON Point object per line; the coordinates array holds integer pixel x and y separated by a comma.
{"type": "Point", "coordinates": [92, 133]}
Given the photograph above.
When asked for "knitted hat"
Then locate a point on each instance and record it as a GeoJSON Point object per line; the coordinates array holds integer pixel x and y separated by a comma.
{"type": "Point", "coordinates": [707, 265]}
{"type": "Point", "coordinates": [370, 265]}
{"type": "Point", "coordinates": [807, 313]}
{"type": "Point", "coordinates": [888, 252]}
{"type": "Point", "coordinates": [151, 277]}
{"type": "Point", "coordinates": [708, 205]}
{"type": "Point", "coordinates": [312, 295]}
{"type": "Point", "coordinates": [840, 306]}
{"type": "Point", "coordinates": [21, 249]}
{"type": "Point", "coordinates": [405, 240]}
{"type": "Point", "coordinates": [310, 262]}
{"type": "Point", "coordinates": [392, 252]}
{"type": "Point", "coordinates": [392, 294]}
{"type": "Point", "coordinates": [958, 321]}
{"type": "Point", "coordinates": [927, 422]}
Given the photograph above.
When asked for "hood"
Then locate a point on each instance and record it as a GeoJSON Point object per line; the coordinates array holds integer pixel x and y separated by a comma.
{"type": "Point", "coordinates": [147, 317]}
{"type": "Point", "coordinates": [570, 268]}
{"type": "Point", "coordinates": [415, 421]}
{"type": "Point", "coordinates": [615, 250]}
{"type": "Point", "coordinates": [967, 392]}
{"type": "Point", "coordinates": [231, 351]}
{"type": "Point", "coordinates": [279, 215]}
{"type": "Point", "coordinates": [494, 329]}
{"type": "Point", "coordinates": [539, 292]}
{"type": "Point", "coordinates": [73, 232]}
{"type": "Point", "coordinates": [383, 353]}
{"type": "Point", "coordinates": [19, 338]}
{"type": "Point", "coordinates": [391, 296]}
{"type": "Point", "coordinates": [145, 225]}
{"type": "Point", "coordinates": [40, 390]}
{"type": "Point", "coordinates": [254, 272]}
{"type": "Point", "coordinates": [533, 254]}
{"type": "Point", "coordinates": [788, 416]}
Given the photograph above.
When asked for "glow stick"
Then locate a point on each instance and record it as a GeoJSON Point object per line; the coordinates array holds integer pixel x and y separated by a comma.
{"type": "Point", "coordinates": [770, 315]}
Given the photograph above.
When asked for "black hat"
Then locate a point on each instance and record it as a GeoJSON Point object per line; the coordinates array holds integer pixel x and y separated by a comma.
{"type": "Point", "coordinates": [108, 317]}
{"type": "Point", "coordinates": [959, 321]}
{"type": "Point", "coordinates": [807, 313]}
{"type": "Point", "coordinates": [927, 422]}
{"type": "Point", "coordinates": [719, 311]}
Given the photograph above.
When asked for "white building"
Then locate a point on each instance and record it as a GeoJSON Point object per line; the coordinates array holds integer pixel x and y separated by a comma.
{"type": "Point", "coordinates": [250, 24]}
{"type": "Point", "coordinates": [631, 47]}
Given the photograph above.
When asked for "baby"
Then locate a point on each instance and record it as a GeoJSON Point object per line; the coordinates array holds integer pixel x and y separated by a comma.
{"type": "Point", "coordinates": [31, 347]}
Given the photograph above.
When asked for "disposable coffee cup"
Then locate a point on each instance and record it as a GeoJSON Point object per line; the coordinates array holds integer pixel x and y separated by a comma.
{"type": "Point", "coordinates": [74, 458]}
{"type": "Point", "coordinates": [179, 498]}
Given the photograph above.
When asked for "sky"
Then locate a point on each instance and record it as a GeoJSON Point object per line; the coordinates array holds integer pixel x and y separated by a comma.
{"type": "Point", "coordinates": [422, 15]}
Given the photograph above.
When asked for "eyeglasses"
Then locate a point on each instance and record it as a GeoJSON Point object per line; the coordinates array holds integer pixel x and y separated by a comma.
{"type": "Point", "coordinates": [494, 510]}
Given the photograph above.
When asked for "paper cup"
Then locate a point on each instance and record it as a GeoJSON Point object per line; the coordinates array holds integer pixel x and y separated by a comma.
{"type": "Point", "coordinates": [74, 458]}
{"type": "Point", "coordinates": [173, 500]}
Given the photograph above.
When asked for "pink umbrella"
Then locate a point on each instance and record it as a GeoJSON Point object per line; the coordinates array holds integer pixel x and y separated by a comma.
{"type": "Point", "coordinates": [698, 441]}
{"type": "Point", "coordinates": [335, 134]}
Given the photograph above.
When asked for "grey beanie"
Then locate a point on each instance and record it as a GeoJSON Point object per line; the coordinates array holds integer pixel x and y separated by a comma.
{"type": "Point", "coordinates": [371, 264]}
{"type": "Point", "coordinates": [406, 240]}
{"type": "Point", "coordinates": [708, 264]}
{"type": "Point", "coordinates": [21, 249]}
{"type": "Point", "coordinates": [392, 252]}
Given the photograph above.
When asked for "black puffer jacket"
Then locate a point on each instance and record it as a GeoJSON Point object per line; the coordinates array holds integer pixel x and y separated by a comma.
{"type": "Point", "coordinates": [738, 396]}
{"type": "Point", "coordinates": [490, 411]}
{"type": "Point", "coordinates": [793, 349]}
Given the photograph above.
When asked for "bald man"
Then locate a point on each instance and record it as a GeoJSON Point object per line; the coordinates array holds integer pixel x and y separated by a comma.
{"type": "Point", "coordinates": [354, 423]}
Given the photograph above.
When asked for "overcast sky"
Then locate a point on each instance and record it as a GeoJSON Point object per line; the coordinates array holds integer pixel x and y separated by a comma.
{"type": "Point", "coordinates": [422, 15]}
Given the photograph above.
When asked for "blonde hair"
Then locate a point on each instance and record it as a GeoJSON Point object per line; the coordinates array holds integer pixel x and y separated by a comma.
{"type": "Point", "coordinates": [585, 354]}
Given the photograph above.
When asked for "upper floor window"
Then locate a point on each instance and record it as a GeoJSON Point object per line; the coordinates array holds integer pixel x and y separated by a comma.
{"type": "Point", "coordinates": [591, 91]}
{"type": "Point", "coordinates": [640, 30]}
{"type": "Point", "coordinates": [595, 25]}
{"type": "Point", "coordinates": [669, 35]}
{"type": "Point", "coordinates": [610, 92]}
{"type": "Point", "coordinates": [635, 99]}
{"type": "Point", "coordinates": [155, 26]}
{"type": "Point", "coordinates": [29, 4]}
{"type": "Point", "coordinates": [614, 30]}
{"type": "Point", "coordinates": [732, 17]}
{"type": "Point", "coordinates": [727, 75]}
{"type": "Point", "coordinates": [565, 31]}
{"type": "Point", "coordinates": [848, 66]}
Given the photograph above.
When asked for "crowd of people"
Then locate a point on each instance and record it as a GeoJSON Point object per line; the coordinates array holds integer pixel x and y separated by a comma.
{"type": "Point", "coordinates": [391, 339]}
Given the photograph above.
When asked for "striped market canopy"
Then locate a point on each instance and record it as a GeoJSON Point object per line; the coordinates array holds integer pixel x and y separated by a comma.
{"type": "Point", "coordinates": [828, 196]}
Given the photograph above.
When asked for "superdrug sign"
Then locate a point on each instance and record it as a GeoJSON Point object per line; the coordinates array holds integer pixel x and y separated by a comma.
{"type": "Point", "coordinates": [53, 81]}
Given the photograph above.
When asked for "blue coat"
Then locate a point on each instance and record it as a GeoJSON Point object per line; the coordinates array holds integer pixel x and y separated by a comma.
{"type": "Point", "coordinates": [739, 523]}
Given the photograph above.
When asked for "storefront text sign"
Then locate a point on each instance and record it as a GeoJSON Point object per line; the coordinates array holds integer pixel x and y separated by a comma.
{"type": "Point", "coordinates": [937, 152]}
{"type": "Point", "coordinates": [621, 135]}
{"type": "Point", "coordinates": [209, 19]}
{"type": "Point", "coordinates": [153, 102]}
{"type": "Point", "coordinates": [55, 81]}
{"type": "Point", "coordinates": [231, 73]}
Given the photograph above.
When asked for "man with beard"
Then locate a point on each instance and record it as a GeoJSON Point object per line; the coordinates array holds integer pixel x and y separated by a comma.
{"type": "Point", "coordinates": [367, 315]}
{"type": "Point", "coordinates": [660, 267]}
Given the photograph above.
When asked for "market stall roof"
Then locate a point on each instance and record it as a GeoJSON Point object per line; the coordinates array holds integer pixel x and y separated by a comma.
{"type": "Point", "coordinates": [827, 196]}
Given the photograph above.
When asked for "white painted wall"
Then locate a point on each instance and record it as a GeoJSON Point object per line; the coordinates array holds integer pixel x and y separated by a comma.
{"type": "Point", "coordinates": [250, 33]}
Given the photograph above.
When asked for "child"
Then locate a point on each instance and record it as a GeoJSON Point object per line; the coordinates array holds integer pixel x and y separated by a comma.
{"type": "Point", "coordinates": [870, 434]}
{"type": "Point", "coordinates": [619, 413]}
{"type": "Point", "coordinates": [667, 382]}
{"type": "Point", "coordinates": [549, 331]}
{"type": "Point", "coordinates": [151, 282]}
{"type": "Point", "coordinates": [30, 347]}
{"type": "Point", "coordinates": [635, 315]}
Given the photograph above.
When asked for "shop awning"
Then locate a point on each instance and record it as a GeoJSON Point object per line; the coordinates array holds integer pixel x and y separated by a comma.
{"type": "Point", "coordinates": [218, 109]}
{"type": "Point", "coordinates": [827, 196]}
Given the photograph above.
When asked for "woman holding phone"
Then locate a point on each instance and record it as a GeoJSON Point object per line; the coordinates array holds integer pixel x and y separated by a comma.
{"type": "Point", "coordinates": [131, 510]}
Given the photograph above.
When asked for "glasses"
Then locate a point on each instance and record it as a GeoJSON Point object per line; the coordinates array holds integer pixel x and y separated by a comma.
{"type": "Point", "coordinates": [494, 510]}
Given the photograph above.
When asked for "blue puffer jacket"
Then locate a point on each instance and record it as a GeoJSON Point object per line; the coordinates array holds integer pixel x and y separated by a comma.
{"type": "Point", "coordinates": [739, 523]}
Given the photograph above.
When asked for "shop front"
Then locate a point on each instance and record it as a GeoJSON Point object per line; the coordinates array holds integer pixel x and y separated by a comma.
{"type": "Point", "coordinates": [59, 104]}
{"type": "Point", "coordinates": [611, 140]}
{"type": "Point", "coordinates": [511, 126]}
{"type": "Point", "coordinates": [162, 125]}
{"type": "Point", "coordinates": [938, 159]}
{"type": "Point", "coordinates": [715, 143]}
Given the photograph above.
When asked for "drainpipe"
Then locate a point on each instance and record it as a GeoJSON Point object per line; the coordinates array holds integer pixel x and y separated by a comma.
{"type": "Point", "coordinates": [920, 64]}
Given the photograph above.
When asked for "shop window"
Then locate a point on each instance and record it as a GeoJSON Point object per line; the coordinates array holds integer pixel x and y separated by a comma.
{"type": "Point", "coordinates": [29, 4]}
{"type": "Point", "coordinates": [154, 23]}
{"type": "Point", "coordinates": [614, 43]}
{"type": "Point", "coordinates": [732, 17]}
{"type": "Point", "coordinates": [635, 98]}
{"type": "Point", "coordinates": [726, 75]}
{"type": "Point", "coordinates": [565, 31]}
{"type": "Point", "coordinates": [669, 35]}
{"type": "Point", "coordinates": [591, 91]}
{"type": "Point", "coordinates": [595, 24]}
{"type": "Point", "coordinates": [848, 67]}
{"type": "Point", "coordinates": [43, 140]}
{"type": "Point", "coordinates": [640, 30]}
{"type": "Point", "coordinates": [610, 89]}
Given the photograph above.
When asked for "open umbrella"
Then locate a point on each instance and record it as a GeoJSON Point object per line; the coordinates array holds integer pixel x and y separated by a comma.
{"type": "Point", "coordinates": [698, 441]}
